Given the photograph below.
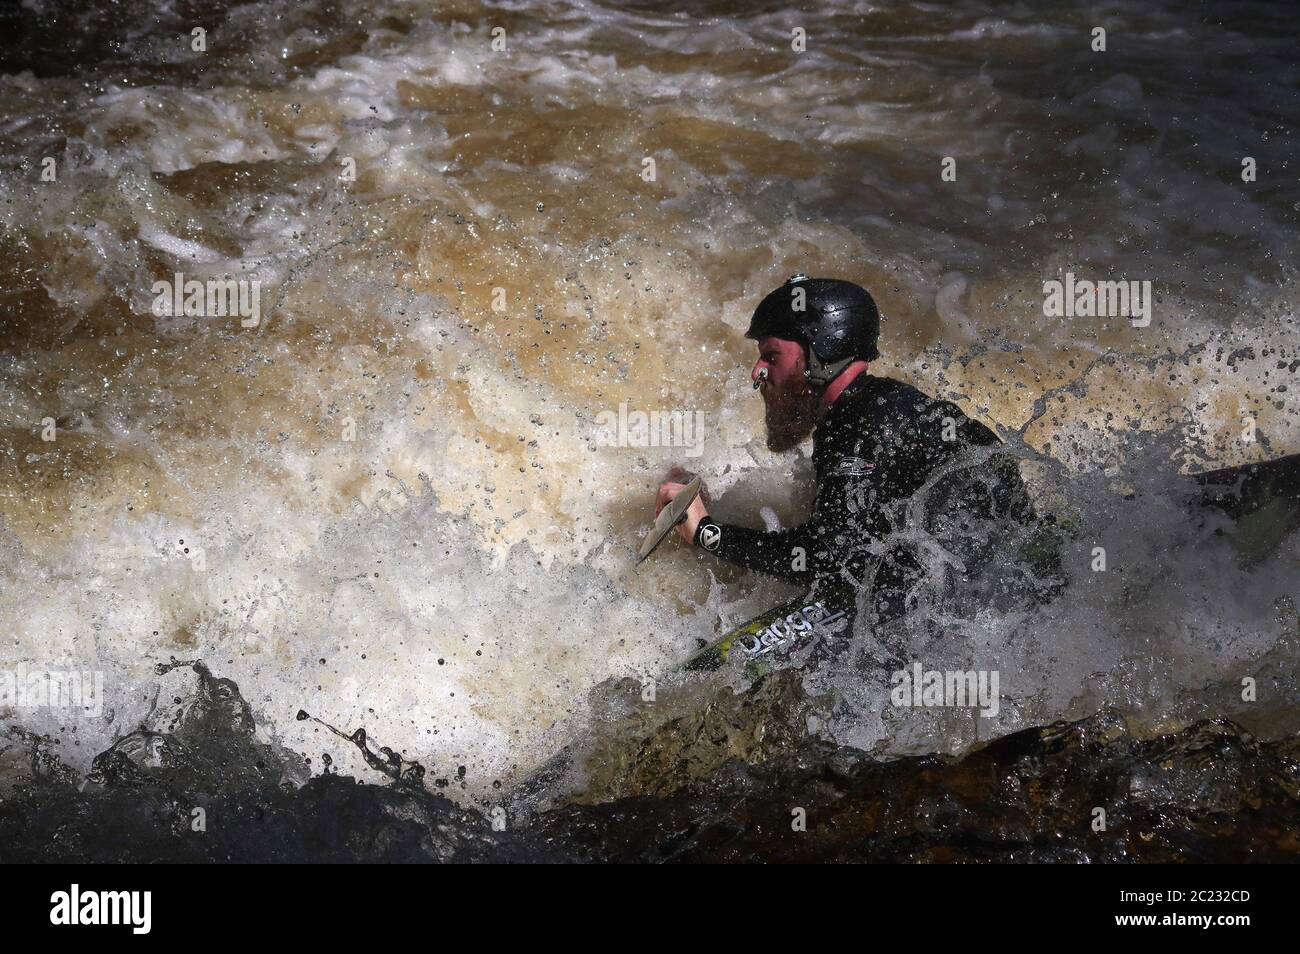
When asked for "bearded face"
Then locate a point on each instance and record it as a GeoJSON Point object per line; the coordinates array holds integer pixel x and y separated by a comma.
{"type": "Point", "coordinates": [791, 414]}
{"type": "Point", "coordinates": [791, 405]}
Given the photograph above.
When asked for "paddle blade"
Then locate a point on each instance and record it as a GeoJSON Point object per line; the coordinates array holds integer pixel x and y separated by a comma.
{"type": "Point", "coordinates": [669, 517]}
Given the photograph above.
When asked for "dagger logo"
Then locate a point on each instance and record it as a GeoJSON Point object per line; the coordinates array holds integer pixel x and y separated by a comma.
{"type": "Point", "coordinates": [710, 537]}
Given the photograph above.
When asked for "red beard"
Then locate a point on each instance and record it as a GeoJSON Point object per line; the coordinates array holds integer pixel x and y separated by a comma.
{"type": "Point", "coordinates": [791, 414]}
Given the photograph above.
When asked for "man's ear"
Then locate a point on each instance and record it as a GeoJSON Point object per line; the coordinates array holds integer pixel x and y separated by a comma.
{"type": "Point", "coordinates": [801, 362]}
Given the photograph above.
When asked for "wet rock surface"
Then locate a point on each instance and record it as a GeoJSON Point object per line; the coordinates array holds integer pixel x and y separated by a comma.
{"type": "Point", "coordinates": [1206, 793]}
{"type": "Point", "coordinates": [141, 799]}
{"type": "Point", "coordinates": [1209, 792]}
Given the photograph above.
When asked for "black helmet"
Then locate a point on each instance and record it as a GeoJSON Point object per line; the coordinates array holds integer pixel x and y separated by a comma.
{"type": "Point", "coordinates": [837, 320]}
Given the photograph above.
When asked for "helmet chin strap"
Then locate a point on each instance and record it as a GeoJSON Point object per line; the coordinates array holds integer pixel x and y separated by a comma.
{"type": "Point", "coordinates": [821, 375]}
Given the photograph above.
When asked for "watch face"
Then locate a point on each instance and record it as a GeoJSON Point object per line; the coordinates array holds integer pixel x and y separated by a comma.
{"type": "Point", "coordinates": [710, 536]}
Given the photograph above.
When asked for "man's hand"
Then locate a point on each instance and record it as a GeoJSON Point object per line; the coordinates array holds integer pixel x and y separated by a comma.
{"type": "Point", "coordinates": [694, 514]}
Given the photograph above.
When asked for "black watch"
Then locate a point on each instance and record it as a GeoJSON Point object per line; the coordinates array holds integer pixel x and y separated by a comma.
{"type": "Point", "coordinates": [708, 535]}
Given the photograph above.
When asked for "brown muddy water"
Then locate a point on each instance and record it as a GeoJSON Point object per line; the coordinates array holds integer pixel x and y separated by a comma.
{"type": "Point", "coordinates": [383, 495]}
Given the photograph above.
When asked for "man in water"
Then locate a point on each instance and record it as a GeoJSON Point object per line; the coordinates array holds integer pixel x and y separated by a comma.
{"type": "Point", "coordinates": [876, 443]}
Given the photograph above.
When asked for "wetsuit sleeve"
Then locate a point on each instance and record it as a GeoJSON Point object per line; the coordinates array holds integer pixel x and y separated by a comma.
{"type": "Point", "coordinates": [796, 555]}
{"type": "Point", "coordinates": [774, 552]}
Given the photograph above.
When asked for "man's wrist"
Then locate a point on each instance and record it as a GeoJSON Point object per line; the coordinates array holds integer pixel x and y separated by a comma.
{"type": "Point", "coordinates": [708, 535]}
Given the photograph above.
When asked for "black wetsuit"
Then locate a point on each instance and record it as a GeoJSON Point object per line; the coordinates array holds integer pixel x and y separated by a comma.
{"type": "Point", "coordinates": [879, 443]}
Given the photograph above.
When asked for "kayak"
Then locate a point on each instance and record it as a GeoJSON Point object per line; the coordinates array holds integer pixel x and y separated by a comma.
{"type": "Point", "coordinates": [1262, 499]}
{"type": "Point", "coordinates": [777, 632]}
